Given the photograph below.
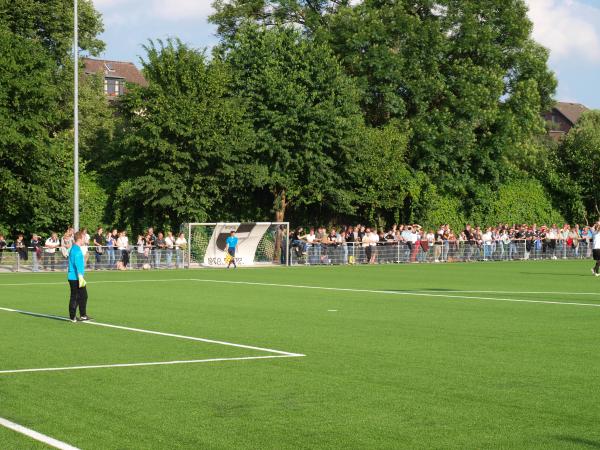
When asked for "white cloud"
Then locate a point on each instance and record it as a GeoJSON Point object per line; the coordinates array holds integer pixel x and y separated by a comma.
{"type": "Point", "coordinates": [569, 28]}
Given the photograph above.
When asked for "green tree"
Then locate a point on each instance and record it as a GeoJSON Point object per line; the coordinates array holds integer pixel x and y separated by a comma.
{"type": "Point", "coordinates": [309, 14]}
{"type": "Point", "coordinates": [97, 122]}
{"type": "Point", "coordinates": [32, 160]}
{"type": "Point", "coordinates": [378, 177]}
{"type": "Point", "coordinates": [304, 112]}
{"type": "Point", "coordinates": [35, 109]}
{"type": "Point", "coordinates": [50, 22]}
{"type": "Point", "coordinates": [522, 201]}
{"type": "Point", "coordinates": [182, 141]}
{"type": "Point", "coordinates": [579, 158]}
{"type": "Point", "coordinates": [465, 75]}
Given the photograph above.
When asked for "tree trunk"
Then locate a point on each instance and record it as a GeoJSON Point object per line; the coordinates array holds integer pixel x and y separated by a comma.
{"type": "Point", "coordinates": [279, 205]}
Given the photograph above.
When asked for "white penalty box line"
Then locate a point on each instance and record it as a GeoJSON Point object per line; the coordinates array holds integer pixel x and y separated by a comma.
{"type": "Point", "coordinates": [274, 353]}
{"type": "Point", "coordinates": [35, 435]}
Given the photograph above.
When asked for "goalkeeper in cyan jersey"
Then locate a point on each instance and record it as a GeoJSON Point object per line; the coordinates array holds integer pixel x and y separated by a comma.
{"type": "Point", "coordinates": [232, 242]}
{"type": "Point", "coordinates": [77, 283]}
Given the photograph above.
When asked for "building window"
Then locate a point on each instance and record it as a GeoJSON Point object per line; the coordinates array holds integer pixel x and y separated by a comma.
{"type": "Point", "coordinates": [113, 87]}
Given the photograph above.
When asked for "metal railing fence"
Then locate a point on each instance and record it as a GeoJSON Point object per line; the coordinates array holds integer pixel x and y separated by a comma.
{"type": "Point", "coordinates": [96, 258]}
{"type": "Point", "coordinates": [436, 252]}
{"type": "Point", "coordinates": [302, 253]}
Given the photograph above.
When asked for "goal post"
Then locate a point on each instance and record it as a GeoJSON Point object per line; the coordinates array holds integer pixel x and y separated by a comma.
{"type": "Point", "coordinates": [259, 243]}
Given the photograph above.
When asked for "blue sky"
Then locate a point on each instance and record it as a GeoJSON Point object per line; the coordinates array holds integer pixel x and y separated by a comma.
{"type": "Point", "coordinates": [569, 28]}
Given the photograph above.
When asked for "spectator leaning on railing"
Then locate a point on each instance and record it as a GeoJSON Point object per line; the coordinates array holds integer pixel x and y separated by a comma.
{"type": "Point", "coordinates": [123, 246]}
{"type": "Point", "coordinates": [151, 238]}
{"type": "Point", "coordinates": [181, 247]}
{"type": "Point", "coordinates": [596, 248]}
{"type": "Point", "coordinates": [21, 248]}
{"type": "Point", "coordinates": [52, 244]}
{"type": "Point", "coordinates": [3, 246]}
{"type": "Point", "coordinates": [169, 246]}
{"type": "Point", "coordinates": [36, 253]}
{"type": "Point", "coordinates": [140, 248]}
{"type": "Point", "coordinates": [110, 250]}
{"type": "Point", "coordinates": [98, 248]}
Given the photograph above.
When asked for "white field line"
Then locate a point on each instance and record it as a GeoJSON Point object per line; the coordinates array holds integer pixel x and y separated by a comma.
{"type": "Point", "coordinates": [370, 291]}
{"type": "Point", "coordinates": [63, 283]}
{"type": "Point", "coordinates": [403, 293]}
{"type": "Point", "coordinates": [159, 363]}
{"type": "Point", "coordinates": [509, 292]}
{"type": "Point", "coordinates": [140, 330]}
{"type": "Point", "coordinates": [35, 435]}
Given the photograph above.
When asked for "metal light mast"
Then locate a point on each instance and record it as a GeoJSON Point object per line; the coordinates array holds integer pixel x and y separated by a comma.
{"type": "Point", "coordinates": [76, 119]}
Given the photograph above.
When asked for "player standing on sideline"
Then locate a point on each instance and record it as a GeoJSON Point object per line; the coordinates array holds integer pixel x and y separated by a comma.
{"type": "Point", "coordinates": [596, 248]}
{"type": "Point", "coordinates": [77, 283]}
{"type": "Point", "coordinates": [232, 242]}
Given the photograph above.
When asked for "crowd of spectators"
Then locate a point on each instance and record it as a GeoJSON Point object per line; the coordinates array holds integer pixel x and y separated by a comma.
{"type": "Point", "coordinates": [413, 243]}
{"type": "Point", "coordinates": [104, 250]}
{"type": "Point", "coordinates": [113, 250]}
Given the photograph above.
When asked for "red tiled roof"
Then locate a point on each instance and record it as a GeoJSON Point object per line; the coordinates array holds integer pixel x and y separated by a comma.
{"type": "Point", "coordinates": [117, 69]}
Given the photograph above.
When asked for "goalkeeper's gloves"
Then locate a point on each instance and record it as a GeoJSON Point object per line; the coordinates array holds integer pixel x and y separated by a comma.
{"type": "Point", "coordinates": [82, 282]}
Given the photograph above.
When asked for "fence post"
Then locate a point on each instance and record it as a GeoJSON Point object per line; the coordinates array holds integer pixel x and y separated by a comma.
{"type": "Point", "coordinates": [189, 248]}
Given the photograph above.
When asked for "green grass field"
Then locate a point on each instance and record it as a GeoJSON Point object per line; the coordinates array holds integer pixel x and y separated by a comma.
{"type": "Point", "coordinates": [489, 355]}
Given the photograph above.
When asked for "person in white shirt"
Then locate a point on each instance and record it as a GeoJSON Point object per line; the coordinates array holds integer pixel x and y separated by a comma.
{"type": "Point", "coordinates": [52, 243]}
{"type": "Point", "coordinates": [552, 236]}
{"type": "Point", "coordinates": [123, 246]}
{"type": "Point", "coordinates": [311, 236]}
{"type": "Point", "coordinates": [486, 239]}
{"type": "Point", "coordinates": [369, 241]}
{"type": "Point", "coordinates": [180, 248]}
{"type": "Point", "coordinates": [169, 246]}
{"type": "Point", "coordinates": [84, 247]}
{"type": "Point", "coordinates": [414, 247]}
{"type": "Point", "coordinates": [311, 246]}
{"type": "Point", "coordinates": [140, 251]}
{"type": "Point", "coordinates": [406, 237]}
{"type": "Point", "coordinates": [596, 248]}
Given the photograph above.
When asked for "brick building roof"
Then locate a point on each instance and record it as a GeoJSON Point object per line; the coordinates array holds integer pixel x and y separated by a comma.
{"type": "Point", "coordinates": [571, 111]}
{"type": "Point", "coordinates": [117, 69]}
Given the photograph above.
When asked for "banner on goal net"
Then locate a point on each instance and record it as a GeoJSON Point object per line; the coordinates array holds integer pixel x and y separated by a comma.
{"type": "Point", "coordinates": [259, 243]}
{"type": "Point", "coordinates": [248, 234]}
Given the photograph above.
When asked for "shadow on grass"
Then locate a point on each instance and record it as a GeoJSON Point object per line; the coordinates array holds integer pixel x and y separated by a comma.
{"type": "Point", "coordinates": [43, 316]}
{"type": "Point", "coordinates": [554, 274]}
{"type": "Point", "coordinates": [578, 441]}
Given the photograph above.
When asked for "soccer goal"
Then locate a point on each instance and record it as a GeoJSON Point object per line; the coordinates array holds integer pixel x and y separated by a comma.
{"type": "Point", "coordinates": [260, 243]}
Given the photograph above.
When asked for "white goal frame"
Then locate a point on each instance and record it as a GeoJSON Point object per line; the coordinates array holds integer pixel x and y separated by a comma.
{"type": "Point", "coordinates": [192, 224]}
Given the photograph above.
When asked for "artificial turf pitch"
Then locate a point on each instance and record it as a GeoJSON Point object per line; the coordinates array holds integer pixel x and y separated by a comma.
{"type": "Point", "coordinates": [421, 365]}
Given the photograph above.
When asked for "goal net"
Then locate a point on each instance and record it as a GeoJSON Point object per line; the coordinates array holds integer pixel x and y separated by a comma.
{"type": "Point", "coordinates": [259, 243]}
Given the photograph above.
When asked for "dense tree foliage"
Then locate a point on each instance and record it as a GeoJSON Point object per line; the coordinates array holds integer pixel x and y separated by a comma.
{"type": "Point", "coordinates": [35, 110]}
{"type": "Point", "coordinates": [579, 161]}
{"type": "Point", "coordinates": [180, 140]}
{"type": "Point", "coordinates": [304, 112]}
{"type": "Point", "coordinates": [466, 77]}
{"type": "Point", "coordinates": [308, 110]}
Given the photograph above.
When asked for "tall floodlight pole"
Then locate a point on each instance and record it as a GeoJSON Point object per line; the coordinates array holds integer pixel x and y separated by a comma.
{"type": "Point", "coordinates": [76, 120]}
